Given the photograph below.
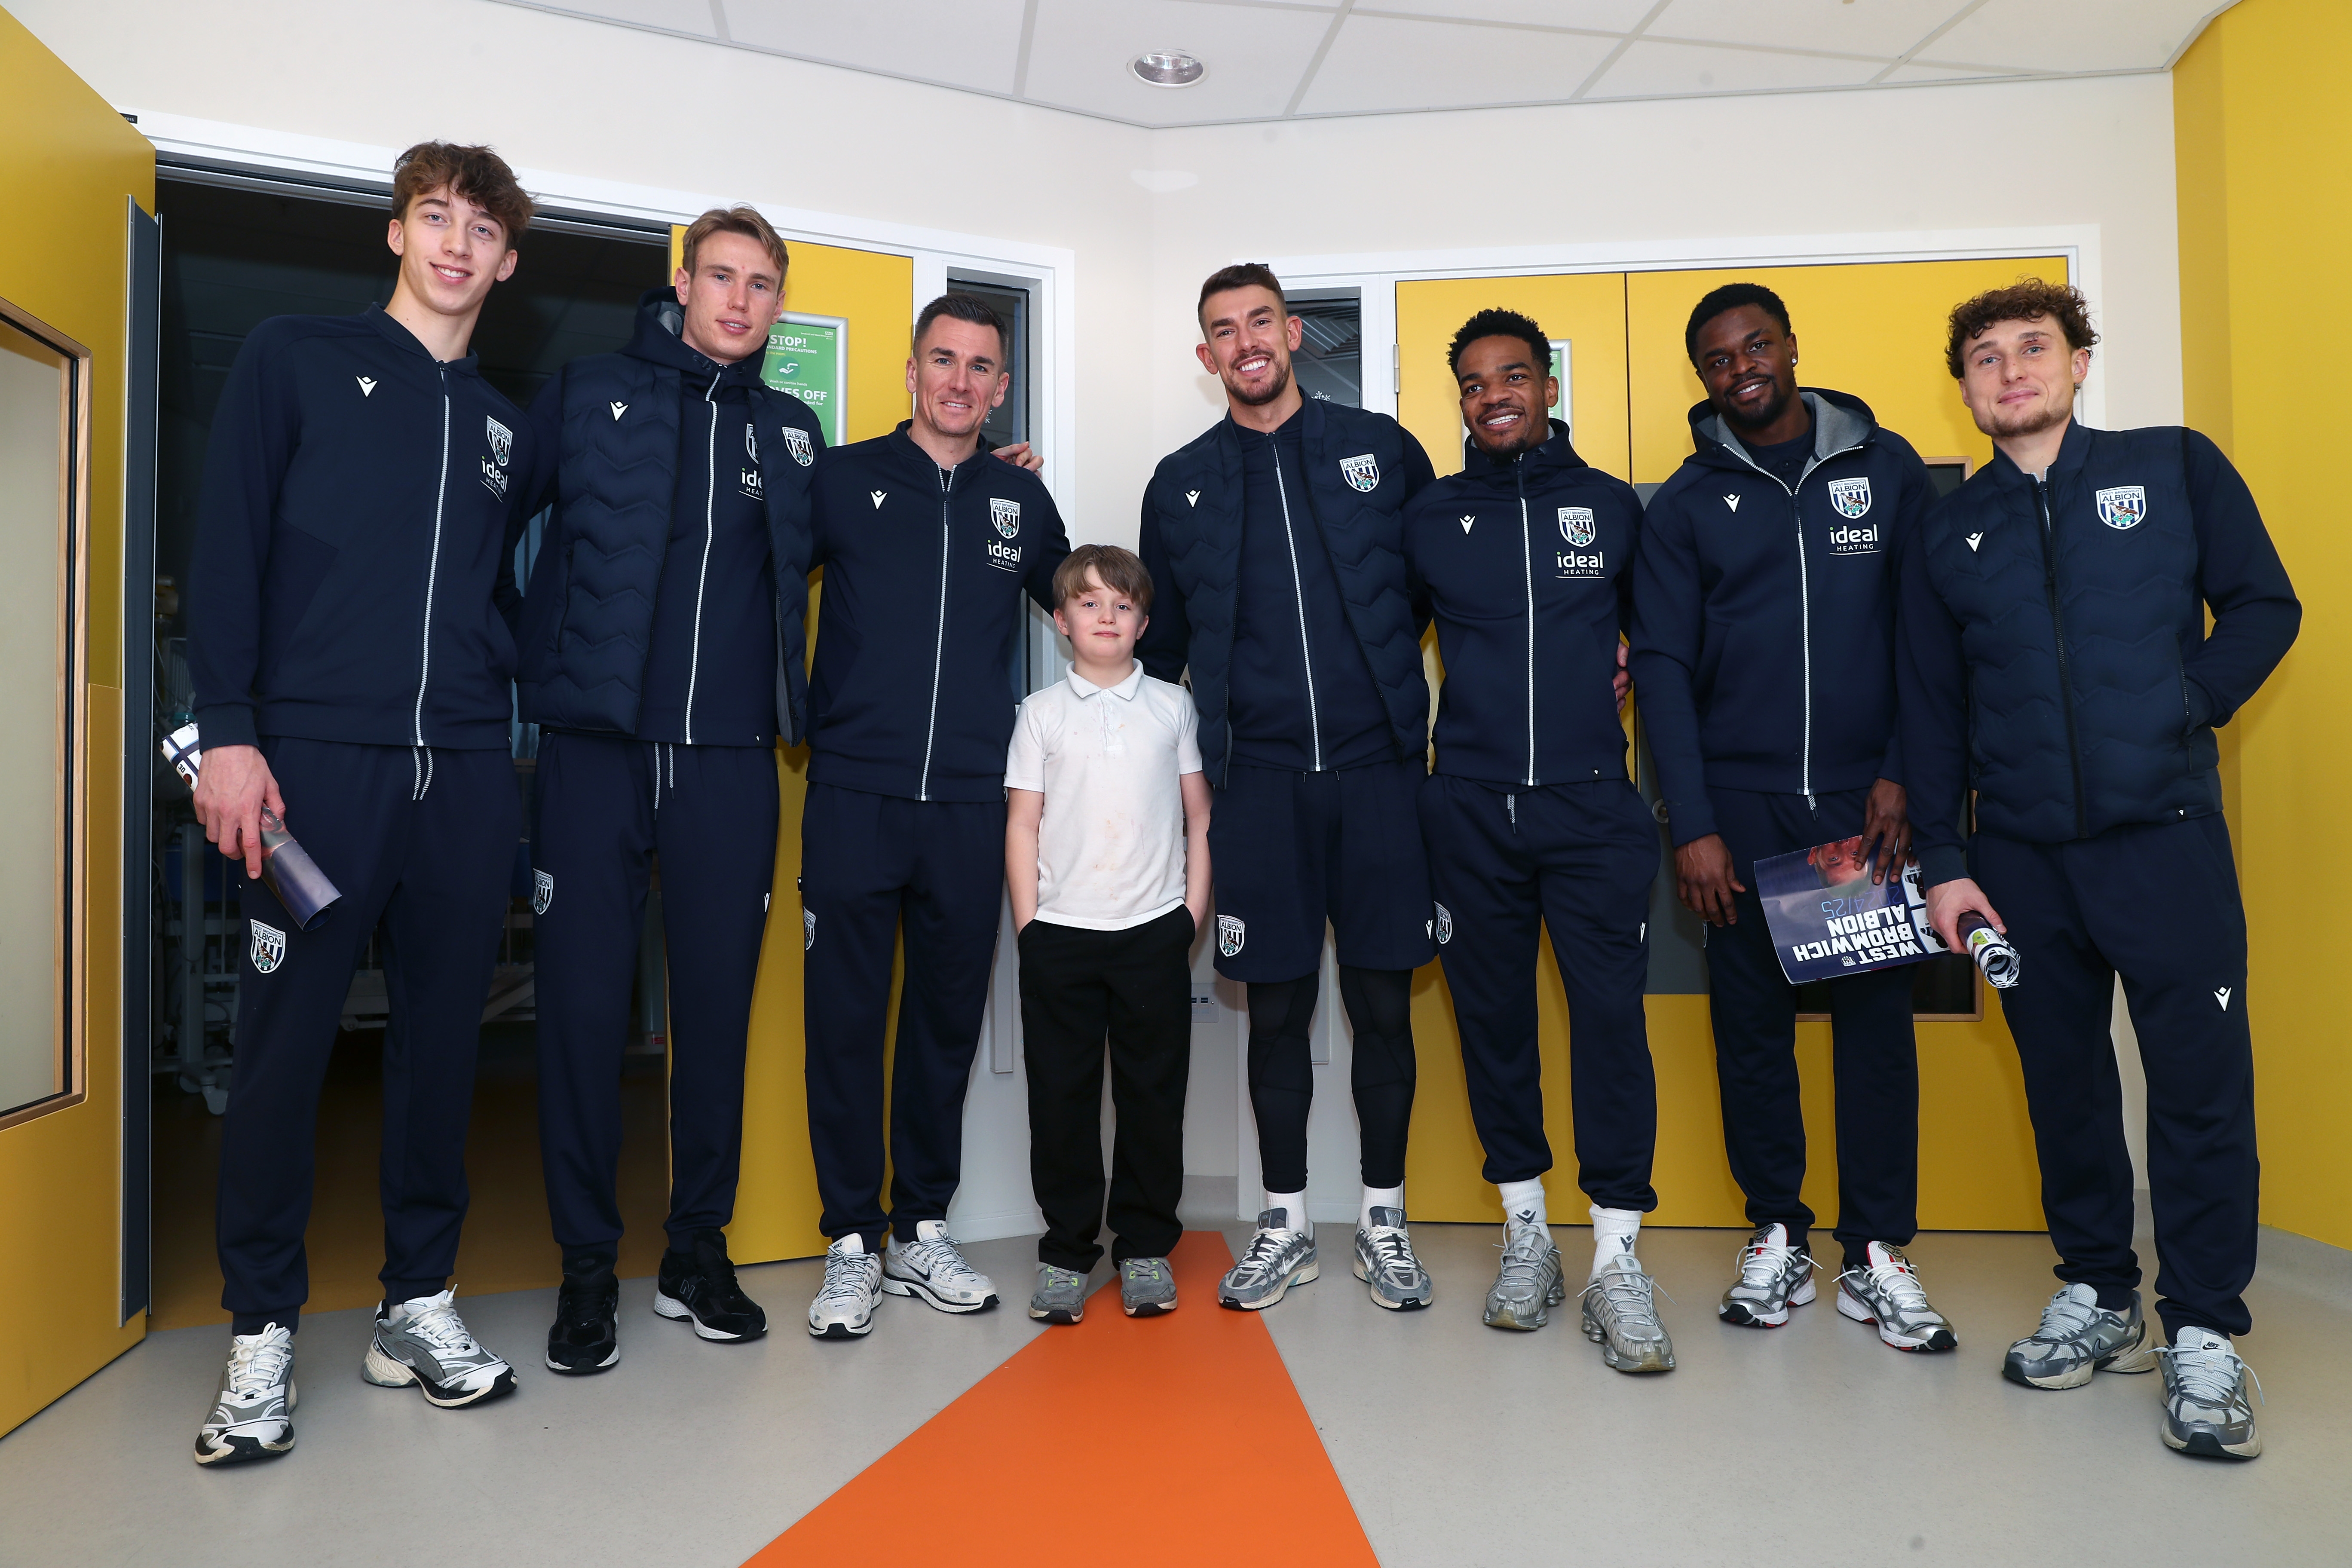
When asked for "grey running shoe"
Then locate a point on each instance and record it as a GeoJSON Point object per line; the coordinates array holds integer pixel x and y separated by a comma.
{"type": "Point", "coordinates": [1147, 1287]}
{"type": "Point", "coordinates": [1060, 1296]}
{"type": "Point", "coordinates": [843, 1307]}
{"type": "Point", "coordinates": [2206, 1411]}
{"type": "Point", "coordinates": [1385, 1263]}
{"type": "Point", "coordinates": [2077, 1338]}
{"type": "Point", "coordinates": [1620, 1316]}
{"type": "Point", "coordinates": [253, 1414]}
{"type": "Point", "coordinates": [1528, 1285]}
{"type": "Point", "coordinates": [1888, 1292]}
{"type": "Point", "coordinates": [1276, 1260]}
{"type": "Point", "coordinates": [930, 1269]}
{"type": "Point", "coordinates": [424, 1342]}
{"type": "Point", "coordinates": [1773, 1278]}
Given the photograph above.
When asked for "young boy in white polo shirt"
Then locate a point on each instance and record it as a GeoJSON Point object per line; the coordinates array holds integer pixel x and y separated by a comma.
{"type": "Point", "coordinates": [1107, 859]}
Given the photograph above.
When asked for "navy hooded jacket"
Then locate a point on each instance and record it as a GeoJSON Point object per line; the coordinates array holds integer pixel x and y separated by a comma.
{"type": "Point", "coordinates": [650, 451]}
{"type": "Point", "coordinates": [354, 573]}
{"type": "Point", "coordinates": [2055, 659]}
{"type": "Point", "coordinates": [1763, 643]}
{"type": "Point", "coordinates": [1361, 469]}
{"type": "Point", "coordinates": [915, 686]}
{"type": "Point", "coordinates": [1527, 562]}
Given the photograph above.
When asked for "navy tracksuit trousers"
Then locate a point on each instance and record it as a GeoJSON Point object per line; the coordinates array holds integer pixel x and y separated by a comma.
{"type": "Point", "coordinates": [421, 841]}
{"type": "Point", "coordinates": [607, 806]}
{"type": "Point", "coordinates": [869, 862]}
{"type": "Point", "coordinates": [2159, 905]}
{"type": "Point", "coordinates": [1874, 1055]}
{"type": "Point", "coordinates": [1580, 859]}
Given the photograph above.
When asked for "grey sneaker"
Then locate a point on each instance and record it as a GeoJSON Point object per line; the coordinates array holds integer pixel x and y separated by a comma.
{"type": "Point", "coordinates": [2206, 1411]}
{"type": "Point", "coordinates": [1528, 1285]}
{"type": "Point", "coordinates": [1773, 1278]}
{"type": "Point", "coordinates": [253, 1414]}
{"type": "Point", "coordinates": [1620, 1316]}
{"type": "Point", "coordinates": [1888, 1292]}
{"type": "Point", "coordinates": [1385, 1263]}
{"type": "Point", "coordinates": [1147, 1287]}
{"type": "Point", "coordinates": [843, 1307]}
{"type": "Point", "coordinates": [1060, 1296]}
{"type": "Point", "coordinates": [424, 1342]}
{"type": "Point", "coordinates": [1276, 1259]}
{"type": "Point", "coordinates": [2077, 1338]}
{"type": "Point", "coordinates": [930, 1269]}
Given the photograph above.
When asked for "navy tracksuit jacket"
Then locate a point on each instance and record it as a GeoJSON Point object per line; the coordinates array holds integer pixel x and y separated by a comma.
{"type": "Point", "coordinates": [2056, 661]}
{"type": "Point", "coordinates": [911, 703]}
{"type": "Point", "coordinates": [1763, 656]}
{"type": "Point", "coordinates": [662, 658]}
{"type": "Point", "coordinates": [349, 605]}
{"type": "Point", "coordinates": [1526, 563]}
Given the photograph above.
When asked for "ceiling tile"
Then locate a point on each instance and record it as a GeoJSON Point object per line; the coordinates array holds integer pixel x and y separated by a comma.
{"type": "Point", "coordinates": [1649, 70]}
{"type": "Point", "coordinates": [965, 43]}
{"type": "Point", "coordinates": [670, 15]}
{"type": "Point", "coordinates": [1377, 64]}
{"type": "Point", "coordinates": [2080, 36]}
{"type": "Point", "coordinates": [1882, 28]}
{"type": "Point", "coordinates": [1256, 55]}
{"type": "Point", "coordinates": [1605, 15]}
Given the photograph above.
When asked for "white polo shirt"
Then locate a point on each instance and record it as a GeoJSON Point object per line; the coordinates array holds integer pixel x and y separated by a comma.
{"type": "Point", "coordinates": [1110, 848]}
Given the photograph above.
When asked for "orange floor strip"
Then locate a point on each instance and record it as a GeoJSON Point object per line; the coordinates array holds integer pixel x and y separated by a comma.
{"type": "Point", "coordinates": [1176, 1440]}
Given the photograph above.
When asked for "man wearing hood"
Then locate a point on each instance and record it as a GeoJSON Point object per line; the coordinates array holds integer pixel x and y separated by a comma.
{"type": "Point", "coordinates": [1763, 650]}
{"type": "Point", "coordinates": [1525, 559]}
{"type": "Point", "coordinates": [662, 656]}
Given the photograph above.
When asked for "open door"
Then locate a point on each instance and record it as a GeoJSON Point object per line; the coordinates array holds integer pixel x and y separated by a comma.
{"type": "Point", "coordinates": [70, 168]}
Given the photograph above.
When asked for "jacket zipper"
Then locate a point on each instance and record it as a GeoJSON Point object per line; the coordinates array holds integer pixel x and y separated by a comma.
{"type": "Point", "coordinates": [710, 526]}
{"type": "Point", "coordinates": [1527, 564]}
{"type": "Point", "coordinates": [2066, 678]}
{"type": "Point", "coordinates": [1804, 600]}
{"type": "Point", "coordinates": [433, 564]}
{"type": "Point", "coordinates": [940, 645]}
{"type": "Point", "coordinates": [1299, 592]}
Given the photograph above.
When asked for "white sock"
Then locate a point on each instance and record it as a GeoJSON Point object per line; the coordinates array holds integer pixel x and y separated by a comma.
{"type": "Point", "coordinates": [1613, 1231]}
{"type": "Point", "coordinates": [1294, 1210]}
{"type": "Point", "coordinates": [1524, 1202]}
{"type": "Point", "coordinates": [1379, 1197]}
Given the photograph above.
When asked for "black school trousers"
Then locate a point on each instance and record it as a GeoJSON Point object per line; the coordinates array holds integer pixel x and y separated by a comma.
{"type": "Point", "coordinates": [2159, 905]}
{"type": "Point", "coordinates": [1131, 989]}
{"type": "Point", "coordinates": [421, 841]}
{"type": "Point", "coordinates": [607, 806]}
{"type": "Point", "coordinates": [1873, 1053]}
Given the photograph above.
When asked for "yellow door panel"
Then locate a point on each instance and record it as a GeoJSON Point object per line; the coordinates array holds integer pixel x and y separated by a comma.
{"type": "Point", "coordinates": [1586, 310]}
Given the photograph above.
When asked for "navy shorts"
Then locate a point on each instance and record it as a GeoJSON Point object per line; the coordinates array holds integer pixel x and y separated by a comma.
{"type": "Point", "coordinates": [1293, 850]}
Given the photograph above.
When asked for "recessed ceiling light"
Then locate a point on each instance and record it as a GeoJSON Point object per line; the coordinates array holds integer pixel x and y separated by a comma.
{"type": "Point", "coordinates": [1166, 68]}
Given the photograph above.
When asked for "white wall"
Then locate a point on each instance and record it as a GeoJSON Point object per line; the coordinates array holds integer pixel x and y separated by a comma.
{"type": "Point", "coordinates": [1146, 214]}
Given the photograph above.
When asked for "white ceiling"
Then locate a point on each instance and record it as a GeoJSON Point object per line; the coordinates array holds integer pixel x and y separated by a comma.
{"type": "Point", "coordinates": [1275, 59]}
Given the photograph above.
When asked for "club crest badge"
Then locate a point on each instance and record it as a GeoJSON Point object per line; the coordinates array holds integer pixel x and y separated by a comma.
{"type": "Point", "coordinates": [1363, 473]}
{"type": "Point", "coordinates": [1006, 515]}
{"type": "Point", "coordinates": [1231, 933]}
{"type": "Point", "coordinates": [808, 930]}
{"type": "Point", "coordinates": [501, 441]}
{"type": "Point", "coordinates": [796, 442]}
{"type": "Point", "coordinates": [1851, 497]}
{"type": "Point", "coordinates": [2123, 507]}
{"type": "Point", "coordinates": [1577, 527]}
{"type": "Point", "coordinates": [268, 948]}
{"type": "Point", "coordinates": [751, 443]}
{"type": "Point", "coordinates": [1443, 928]}
{"type": "Point", "coordinates": [543, 891]}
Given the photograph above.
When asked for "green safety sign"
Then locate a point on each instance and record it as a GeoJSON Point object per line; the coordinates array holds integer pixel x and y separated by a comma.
{"type": "Point", "coordinates": [808, 357]}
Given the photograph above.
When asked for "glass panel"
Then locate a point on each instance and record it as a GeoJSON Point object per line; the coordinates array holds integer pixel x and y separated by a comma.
{"type": "Point", "coordinates": [35, 391]}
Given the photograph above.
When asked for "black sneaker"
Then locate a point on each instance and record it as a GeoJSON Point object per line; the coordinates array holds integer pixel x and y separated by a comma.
{"type": "Point", "coordinates": [700, 1286]}
{"type": "Point", "coordinates": [587, 1335]}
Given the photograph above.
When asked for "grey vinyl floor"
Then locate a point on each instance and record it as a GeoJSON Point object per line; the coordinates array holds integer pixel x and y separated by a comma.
{"type": "Point", "coordinates": [1459, 1446]}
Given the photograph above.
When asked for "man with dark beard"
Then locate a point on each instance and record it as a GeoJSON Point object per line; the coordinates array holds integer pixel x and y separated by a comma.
{"type": "Point", "coordinates": [1274, 543]}
{"type": "Point", "coordinates": [1763, 657]}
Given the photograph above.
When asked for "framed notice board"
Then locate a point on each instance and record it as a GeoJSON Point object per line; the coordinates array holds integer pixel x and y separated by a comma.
{"type": "Point", "coordinates": [808, 356]}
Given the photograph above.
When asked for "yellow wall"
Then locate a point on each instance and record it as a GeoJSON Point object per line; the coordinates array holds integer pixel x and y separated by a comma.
{"type": "Point", "coordinates": [67, 163]}
{"type": "Point", "coordinates": [2263, 150]}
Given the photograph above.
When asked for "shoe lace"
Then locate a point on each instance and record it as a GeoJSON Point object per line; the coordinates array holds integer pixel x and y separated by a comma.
{"type": "Point", "coordinates": [257, 1367]}
{"type": "Point", "coordinates": [1894, 1279]}
{"type": "Point", "coordinates": [2210, 1376]}
{"type": "Point", "coordinates": [1760, 1263]}
{"type": "Point", "coordinates": [1263, 1255]}
{"type": "Point", "coordinates": [847, 1277]}
{"type": "Point", "coordinates": [1392, 1252]}
{"type": "Point", "coordinates": [439, 1326]}
{"type": "Point", "coordinates": [1523, 1256]}
{"type": "Point", "coordinates": [940, 1259]}
{"type": "Point", "coordinates": [1627, 1293]}
{"type": "Point", "coordinates": [2065, 1317]}
{"type": "Point", "coordinates": [1150, 1272]}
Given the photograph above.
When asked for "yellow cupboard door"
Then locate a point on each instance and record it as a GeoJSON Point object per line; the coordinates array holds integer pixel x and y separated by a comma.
{"type": "Point", "coordinates": [69, 157]}
{"type": "Point", "coordinates": [1875, 330]}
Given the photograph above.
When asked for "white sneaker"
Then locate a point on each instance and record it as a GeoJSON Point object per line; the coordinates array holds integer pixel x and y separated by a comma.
{"type": "Point", "coordinates": [843, 1307]}
{"type": "Point", "coordinates": [253, 1414]}
{"type": "Point", "coordinates": [1773, 1278]}
{"type": "Point", "coordinates": [424, 1342]}
{"type": "Point", "coordinates": [930, 1269]}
